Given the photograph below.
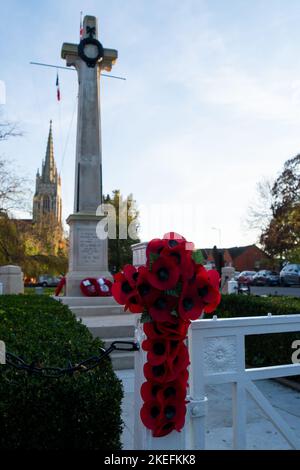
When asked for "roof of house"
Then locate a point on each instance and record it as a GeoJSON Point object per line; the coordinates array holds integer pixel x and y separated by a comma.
{"type": "Point", "coordinates": [233, 251]}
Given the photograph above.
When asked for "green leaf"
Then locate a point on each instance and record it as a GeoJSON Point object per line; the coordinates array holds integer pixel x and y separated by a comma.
{"type": "Point", "coordinates": [172, 292]}
{"type": "Point", "coordinates": [197, 256]}
{"type": "Point", "coordinates": [178, 289]}
{"type": "Point", "coordinates": [152, 258]}
{"type": "Point", "coordinates": [146, 318]}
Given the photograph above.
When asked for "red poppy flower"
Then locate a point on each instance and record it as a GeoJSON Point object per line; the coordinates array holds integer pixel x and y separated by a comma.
{"type": "Point", "coordinates": [131, 273]}
{"type": "Point", "coordinates": [160, 350]}
{"type": "Point", "coordinates": [154, 247]}
{"type": "Point", "coordinates": [175, 389]}
{"type": "Point", "coordinates": [146, 291]}
{"type": "Point", "coordinates": [160, 391]}
{"type": "Point", "coordinates": [159, 373]}
{"type": "Point", "coordinates": [207, 283]}
{"type": "Point", "coordinates": [150, 414]}
{"type": "Point", "coordinates": [177, 329]}
{"type": "Point", "coordinates": [163, 417]}
{"type": "Point", "coordinates": [190, 304]}
{"type": "Point", "coordinates": [134, 304]}
{"type": "Point", "coordinates": [162, 306]}
{"type": "Point", "coordinates": [163, 428]}
{"type": "Point", "coordinates": [122, 289]}
{"type": "Point", "coordinates": [149, 390]}
{"type": "Point", "coordinates": [181, 252]}
{"type": "Point", "coordinates": [214, 278]}
{"type": "Point", "coordinates": [179, 239]}
{"type": "Point", "coordinates": [182, 258]}
{"type": "Point", "coordinates": [172, 416]}
{"type": "Point", "coordinates": [174, 236]}
{"type": "Point", "coordinates": [170, 369]}
{"type": "Point", "coordinates": [164, 274]}
{"type": "Point", "coordinates": [178, 363]}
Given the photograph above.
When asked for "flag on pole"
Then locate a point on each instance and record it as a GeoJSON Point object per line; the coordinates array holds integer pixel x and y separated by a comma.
{"type": "Point", "coordinates": [81, 26]}
{"type": "Point", "coordinates": [57, 87]}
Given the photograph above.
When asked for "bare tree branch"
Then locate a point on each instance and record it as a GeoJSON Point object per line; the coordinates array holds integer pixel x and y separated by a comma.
{"type": "Point", "coordinates": [14, 190]}
{"type": "Point", "coordinates": [260, 213]}
{"type": "Point", "coordinates": [9, 129]}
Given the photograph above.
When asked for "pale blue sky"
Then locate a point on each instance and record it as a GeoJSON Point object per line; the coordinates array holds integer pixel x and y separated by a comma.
{"type": "Point", "coordinates": [211, 103]}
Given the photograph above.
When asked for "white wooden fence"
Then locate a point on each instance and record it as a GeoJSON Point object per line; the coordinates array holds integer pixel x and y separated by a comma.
{"type": "Point", "coordinates": [217, 354]}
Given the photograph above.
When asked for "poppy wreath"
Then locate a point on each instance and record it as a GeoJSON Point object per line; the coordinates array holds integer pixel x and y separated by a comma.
{"type": "Point", "coordinates": [170, 291]}
{"type": "Point", "coordinates": [60, 286]}
{"type": "Point", "coordinates": [92, 287]}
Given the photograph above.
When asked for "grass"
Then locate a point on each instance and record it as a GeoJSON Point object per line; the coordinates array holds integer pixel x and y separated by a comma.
{"type": "Point", "coordinates": [46, 291]}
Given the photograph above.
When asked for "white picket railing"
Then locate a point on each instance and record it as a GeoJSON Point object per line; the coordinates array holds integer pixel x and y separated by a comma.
{"type": "Point", "coordinates": [217, 354]}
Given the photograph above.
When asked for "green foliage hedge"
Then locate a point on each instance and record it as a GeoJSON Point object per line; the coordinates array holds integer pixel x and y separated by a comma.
{"type": "Point", "coordinates": [263, 350]}
{"type": "Point", "coordinates": [79, 412]}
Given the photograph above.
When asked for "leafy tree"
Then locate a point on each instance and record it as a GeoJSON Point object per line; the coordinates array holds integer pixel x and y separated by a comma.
{"type": "Point", "coordinates": [12, 249]}
{"type": "Point", "coordinates": [281, 236]}
{"type": "Point", "coordinates": [127, 224]}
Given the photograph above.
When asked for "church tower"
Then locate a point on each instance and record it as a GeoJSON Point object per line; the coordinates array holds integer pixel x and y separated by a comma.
{"type": "Point", "coordinates": [47, 197]}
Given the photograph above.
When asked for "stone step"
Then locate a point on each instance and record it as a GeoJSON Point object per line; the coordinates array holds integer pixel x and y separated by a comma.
{"type": "Point", "coordinates": [107, 342]}
{"type": "Point", "coordinates": [96, 310]}
{"type": "Point", "coordinates": [113, 328]}
{"type": "Point", "coordinates": [117, 326]}
{"type": "Point", "coordinates": [121, 361]}
{"type": "Point", "coordinates": [86, 301]}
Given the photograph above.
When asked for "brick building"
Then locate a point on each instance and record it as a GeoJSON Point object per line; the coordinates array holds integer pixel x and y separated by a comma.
{"type": "Point", "coordinates": [242, 258]}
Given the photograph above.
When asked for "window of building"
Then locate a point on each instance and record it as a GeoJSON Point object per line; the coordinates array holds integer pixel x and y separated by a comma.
{"type": "Point", "coordinates": [46, 204]}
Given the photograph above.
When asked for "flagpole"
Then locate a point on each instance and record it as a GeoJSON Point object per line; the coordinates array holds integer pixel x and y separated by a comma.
{"type": "Point", "coordinates": [81, 26]}
{"type": "Point", "coordinates": [73, 69]}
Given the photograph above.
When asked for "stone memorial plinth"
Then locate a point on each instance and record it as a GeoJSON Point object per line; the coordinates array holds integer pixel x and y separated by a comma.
{"type": "Point", "coordinates": [12, 279]}
{"type": "Point", "coordinates": [88, 256]}
{"type": "Point", "coordinates": [139, 254]}
{"type": "Point", "coordinates": [227, 275]}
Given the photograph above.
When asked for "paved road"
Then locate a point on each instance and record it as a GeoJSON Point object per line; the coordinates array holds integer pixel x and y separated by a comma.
{"type": "Point", "coordinates": [290, 291]}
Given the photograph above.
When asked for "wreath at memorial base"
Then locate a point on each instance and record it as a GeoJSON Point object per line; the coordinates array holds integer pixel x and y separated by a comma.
{"type": "Point", "coordinates": [60, 286]}
{"type": "Point", "coordinates": [170, 291]}
{"type": "Point", "coordinates": [92, 287]}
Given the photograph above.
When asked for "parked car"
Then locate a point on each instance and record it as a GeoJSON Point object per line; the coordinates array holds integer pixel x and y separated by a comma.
{"type": "Point", "coordinates": [246, 277]}
{"type": "Point", "coordinates": [266, 278]}
{"type": "Point", "coordinates": [236, 275]}
{"type": "Point", "coordinates": [48, 281]}
{"type": "Point", "coordinates": [290, 275]}
{"type": "Point", "coordinates": [29, 281]}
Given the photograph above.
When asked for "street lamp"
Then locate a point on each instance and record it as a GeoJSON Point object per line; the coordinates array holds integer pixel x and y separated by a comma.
{"type": "Point", "coordinates": [219, 231]}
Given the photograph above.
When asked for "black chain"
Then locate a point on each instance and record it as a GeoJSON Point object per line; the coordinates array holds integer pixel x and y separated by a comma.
{"type": "Point", "coordinates": [18, 363]}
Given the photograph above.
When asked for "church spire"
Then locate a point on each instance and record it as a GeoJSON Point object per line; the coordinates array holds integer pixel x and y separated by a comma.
{"type": "Point", "coordinates": [49, 169]}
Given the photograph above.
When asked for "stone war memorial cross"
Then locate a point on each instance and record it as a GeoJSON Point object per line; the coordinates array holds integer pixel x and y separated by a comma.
{"type": "Point", "coordinates": [87, 253]}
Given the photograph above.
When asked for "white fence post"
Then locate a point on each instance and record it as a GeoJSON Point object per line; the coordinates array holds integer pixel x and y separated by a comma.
{"type": "Point", "coordinates": [143, 439]}
{"type": "Point", "coordinates": [198, 400]}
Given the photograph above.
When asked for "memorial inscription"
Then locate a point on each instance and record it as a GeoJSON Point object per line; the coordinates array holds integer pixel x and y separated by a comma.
{"type": "Point", "coordinates": [90, 248]}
